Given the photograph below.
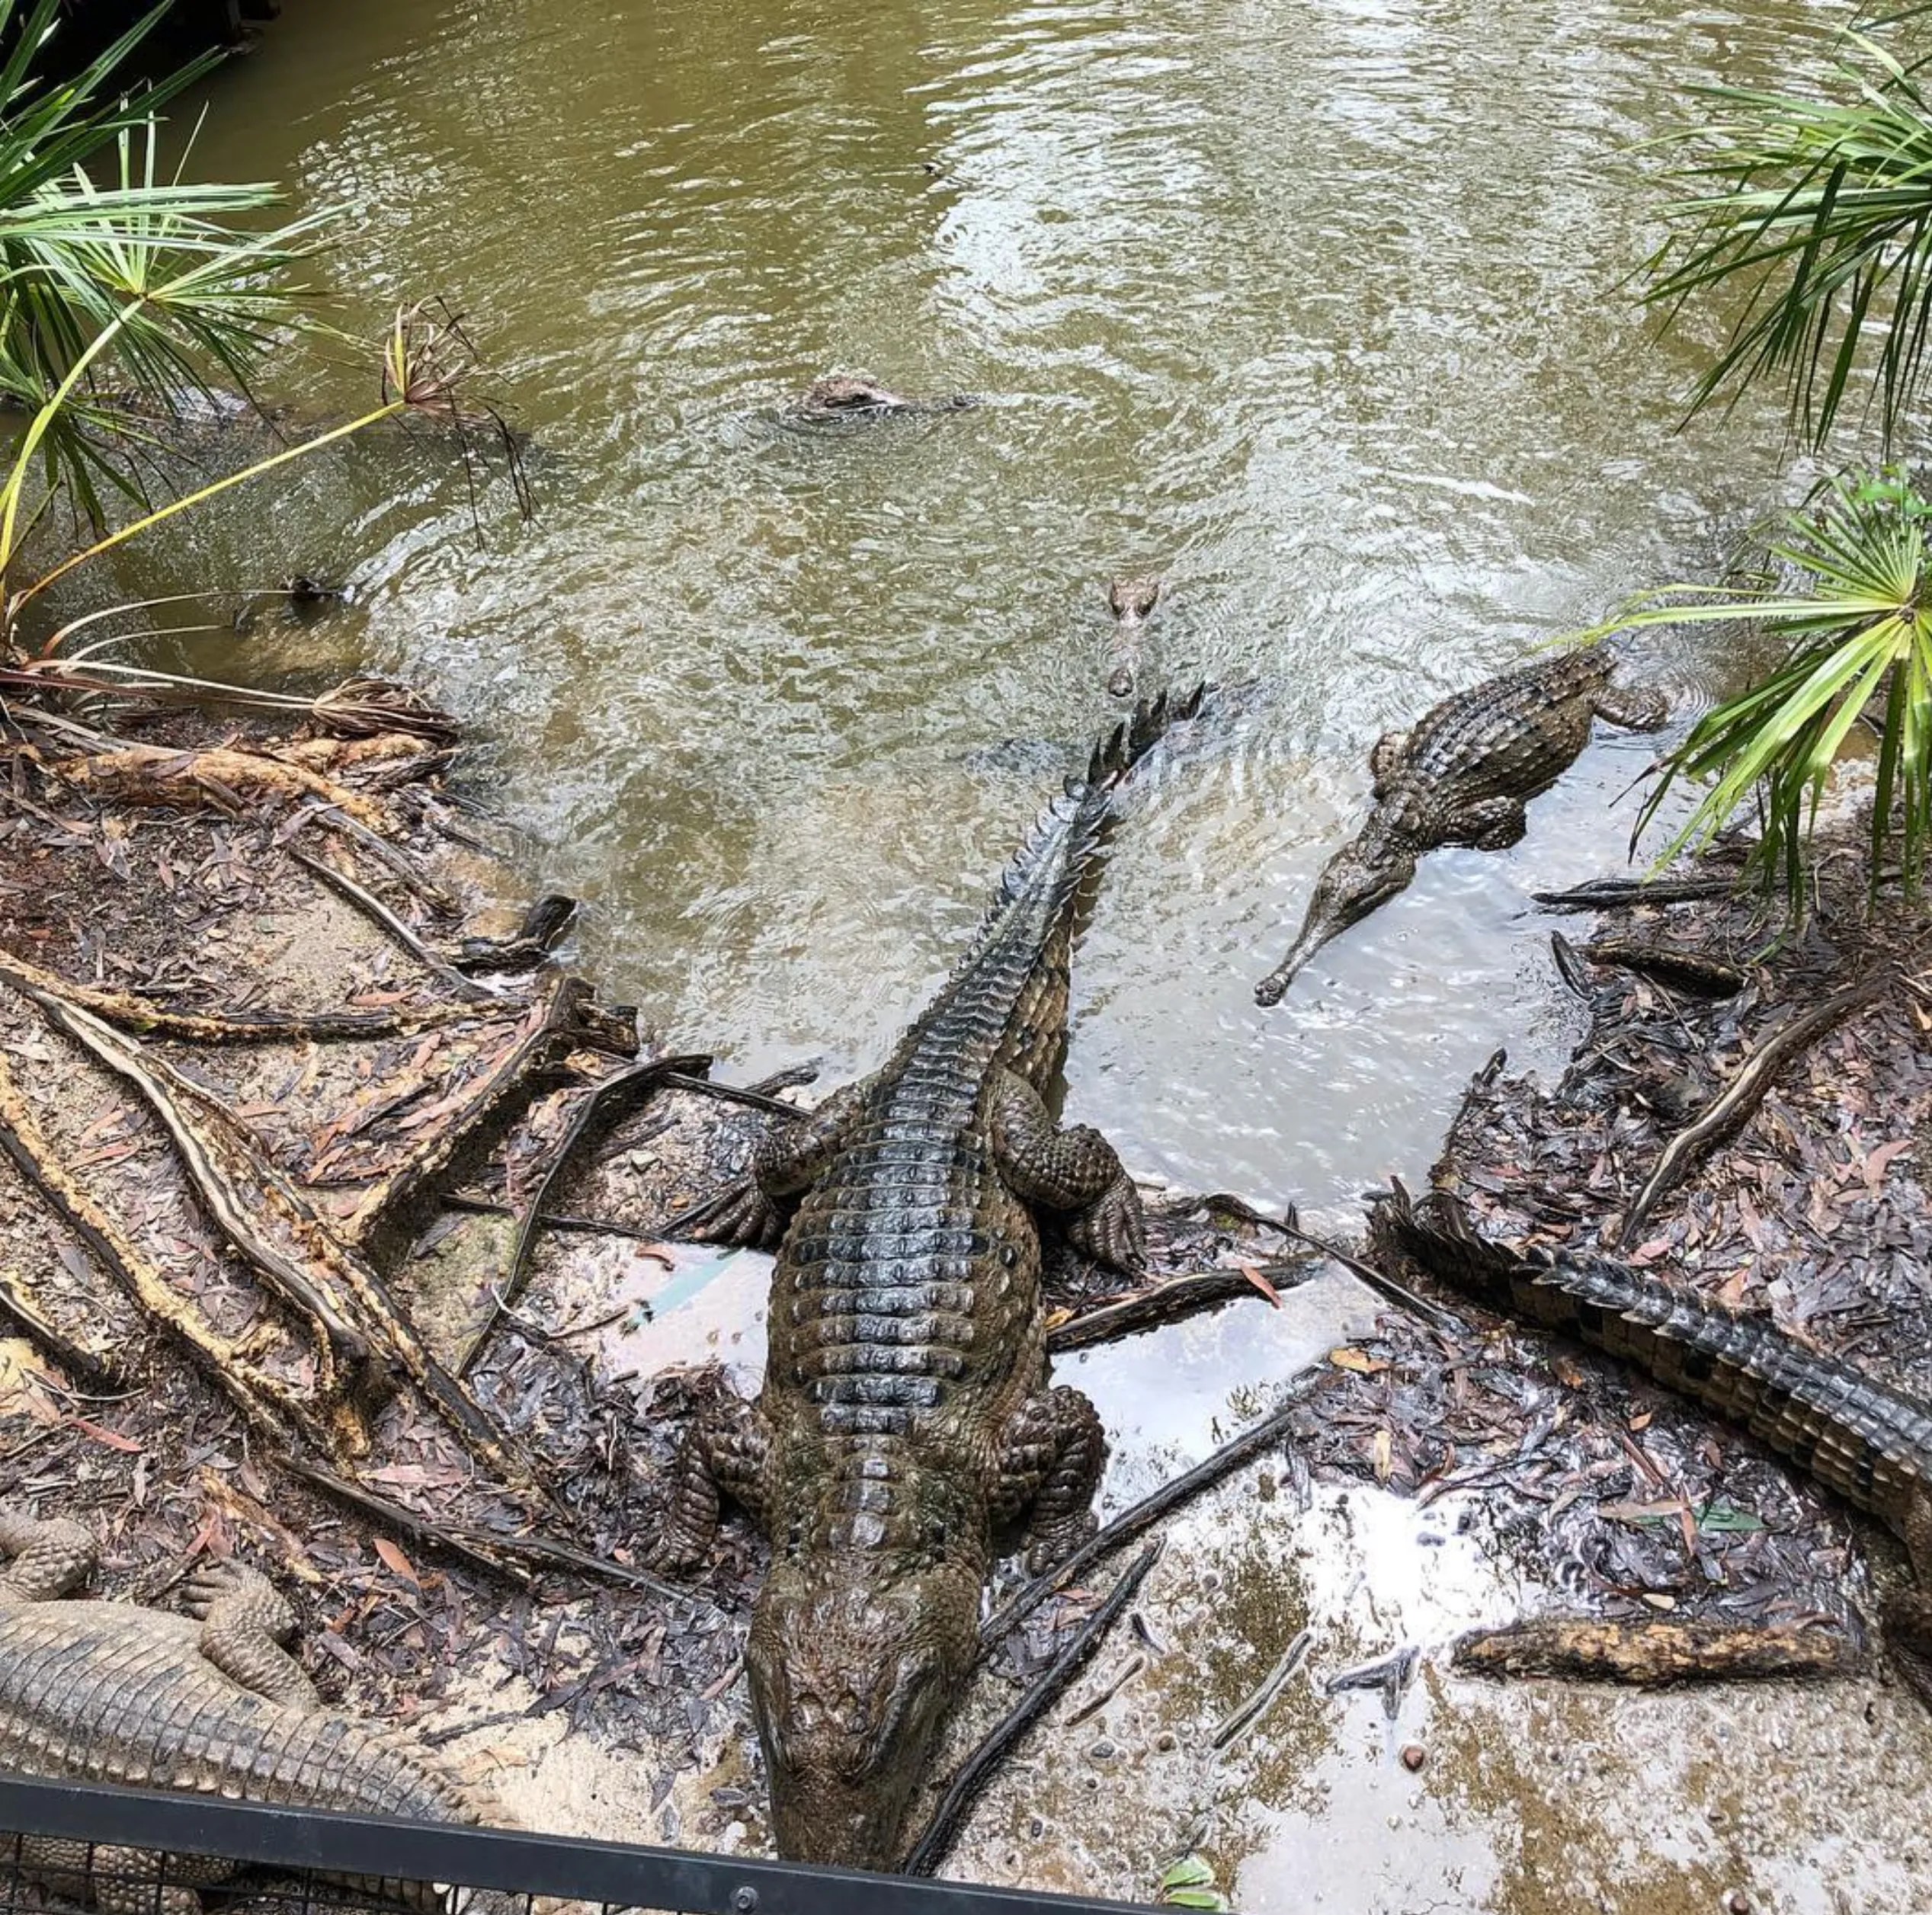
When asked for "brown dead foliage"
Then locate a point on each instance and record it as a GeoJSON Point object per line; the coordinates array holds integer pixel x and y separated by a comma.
{"type": "Point", "coordinates": [374, 1117]}
{"type": "Point", "coordinates": [1811, 1209]}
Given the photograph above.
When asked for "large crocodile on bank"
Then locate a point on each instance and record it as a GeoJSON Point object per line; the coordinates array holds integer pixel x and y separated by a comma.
{"type": "Point", "coordinates": [209, 1703]}
{"type": "Point", "coordinates": [1871, 1443]}
{"type": "Point", "coordinates": [906, 1430]}
{"type": "Point", "coordinates": [1462, 777]}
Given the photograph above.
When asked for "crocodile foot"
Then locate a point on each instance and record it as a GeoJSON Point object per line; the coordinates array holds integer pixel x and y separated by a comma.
{"type": "Point", "coordinates": [1113, 1229]}
{"type": "Point", "coordinates": [741, 1215]}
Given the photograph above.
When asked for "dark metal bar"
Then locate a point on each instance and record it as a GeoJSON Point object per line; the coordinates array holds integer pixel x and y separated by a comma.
{"type": "Point", "coordinates": [617, 1873]}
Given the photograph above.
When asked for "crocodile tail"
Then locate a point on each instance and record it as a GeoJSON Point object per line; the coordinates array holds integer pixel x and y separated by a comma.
{"type": "Point", "coordinates": [1067, 832]}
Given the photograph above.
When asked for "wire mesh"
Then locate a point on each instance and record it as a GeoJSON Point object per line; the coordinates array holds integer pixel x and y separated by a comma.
{"type": "Point", "coordinates": [66, 1849]}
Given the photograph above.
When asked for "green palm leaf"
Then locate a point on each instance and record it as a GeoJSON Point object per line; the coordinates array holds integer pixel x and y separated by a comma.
{"type": "Point", "coordinates": [145, 260]}
{"type": "Point", "coordinates": [1822, 210]}
{"type": "Point", "coordinates": [1857, 636]}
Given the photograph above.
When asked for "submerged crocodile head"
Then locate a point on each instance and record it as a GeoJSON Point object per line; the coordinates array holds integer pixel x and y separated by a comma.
{"type": "Point", "coordinates": [1367, 871]}
{"type": "Point", "coordinates": [852, 1672]}
{"type": "Point", "coordinates": [858, 395]}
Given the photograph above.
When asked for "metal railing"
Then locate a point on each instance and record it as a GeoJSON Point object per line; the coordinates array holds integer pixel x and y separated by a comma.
{"type": "Point", "coordinates": [303, 1854]}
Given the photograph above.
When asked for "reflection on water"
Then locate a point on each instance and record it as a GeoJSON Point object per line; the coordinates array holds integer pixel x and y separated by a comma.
{"type": "Point", "coordinates": [1313, 310]}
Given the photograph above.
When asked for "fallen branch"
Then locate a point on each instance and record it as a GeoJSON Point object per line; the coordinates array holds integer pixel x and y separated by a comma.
{"type": "Point", "coordinates": [127, 1011]}
{"type": "Point", "coordinates": [1693, 971]}
{"type": "Point", "coordinates": [1169, 1301]}
{"type": "Point", "coordinates": [1432, 1314]}
{"type": "Point", "coordinates": [1651, 1653]}
{"type": "Point", "coordinates": [1731, 1108]}
{"type": "Point", "coordinates": [269, 1403]}
{"type": "Point", "coordinates": [153, 774]}
{"type": "Point", "coordinates": [82, 1365]}
{"type": "Point", "coordinates": [253, 1203]}
{"type": "Point", "coordinates": [379, 914]}
{"type": "Point", "coordinates": [634, 1081]}
{"type": "Point", "coordinates": [1148, 1510]}
{"type": "Point", "coordinates": [556, 1015]}
{"type": "Point", "coordinates": [1625, 893]}
{"type": "Point", "coordinates": [931, 1849]}
{"type": "Point", "coordinates": [479, 1551]}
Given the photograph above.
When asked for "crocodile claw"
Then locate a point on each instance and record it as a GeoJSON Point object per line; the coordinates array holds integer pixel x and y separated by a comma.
{"type": "Point", "coordinates": [741, 1214]}
{"type": "Point", "coordinates": [1112, 1229]}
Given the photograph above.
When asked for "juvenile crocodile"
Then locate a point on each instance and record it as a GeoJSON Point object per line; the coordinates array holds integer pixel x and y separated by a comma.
{"type": "Point", "coordinates": [858, 395]}
{"type": "Point", "coordinates": [1871, 1443]}
{"type": "Point", "coordinates": [209, 1703]}
{"type": "Point", "coordinates": [905, 1429]}
{"type": "Point", "coordinates": [1462, 777]}
{"type": "Point", "coordinates": [1130, 600]}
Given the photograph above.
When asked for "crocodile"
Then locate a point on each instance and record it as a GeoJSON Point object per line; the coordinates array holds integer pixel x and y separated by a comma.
{"type": "Point", "coordinates": [1871, 1443]}
{"type": "Point", "coordinates": [210, 1703]}
{"type": "Point", "coordinates": [858, 395]}
{"type": "Point", "coordinates": [906, 1431]}
{"type": "Point", "coordinates": [1462, 777]}
{"type": "Point", "coordinates": [1130, 600]}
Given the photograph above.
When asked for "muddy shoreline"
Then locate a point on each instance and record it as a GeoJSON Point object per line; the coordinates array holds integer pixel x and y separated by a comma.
{"type": "Point", "coordinates": [1555, 1484]}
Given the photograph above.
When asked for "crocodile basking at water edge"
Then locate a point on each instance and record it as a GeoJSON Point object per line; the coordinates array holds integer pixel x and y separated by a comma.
{"type": "Point", "coordinates": [1871, 1443]}
{"type": "Point", "coordinates": [906, 1430]}
{"type": "Point", "coordinates": [1462, 777]}
{"type": "Point", "coordinates": [210, 1704]}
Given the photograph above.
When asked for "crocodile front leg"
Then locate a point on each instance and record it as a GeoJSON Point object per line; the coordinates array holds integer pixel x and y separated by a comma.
{"type": "Point", "coordinates": [245, 1621]}
{"type": "Point", "coordinates": [1385, 755]}
{"type": "Point", "coordinates": [723, 1454]}
{"type": "Point", "coordinates": [50, 1558]}
{"type": "Point", "coordinates": [754, 1211]}
{"type": "Point", "coordinates": [1633, 708]}
{"type": "Point", "coordinates": [1050, 1458]}
{"type": "Point", "coordinates": [1074, 1171]}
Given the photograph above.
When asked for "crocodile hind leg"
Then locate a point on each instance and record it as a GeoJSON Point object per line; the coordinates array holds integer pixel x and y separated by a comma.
{"type": "Point", "coordinates": [754, 1211]}
{"type": "Point", "coordinates": [723, 1454]}
{"type": "Point", "coordinates": [114, 1880]}
{"type": "Point", "coordinates": [245, 1621]}
{"type": "Point", "coordinates": [50, 1558]}
{"type": "Point", "coordinates": [1633, 708]}
{"type": "Point", "coordinates": [1049, 1466]}
{"type": "Point", "coordinates": [1074, 1171]}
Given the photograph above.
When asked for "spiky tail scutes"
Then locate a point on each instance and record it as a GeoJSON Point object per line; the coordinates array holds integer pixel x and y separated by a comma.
{"type": "Point", "coordinates": [1071, 825]}
{"type": "Point", "coordinates": [1870, 1443]}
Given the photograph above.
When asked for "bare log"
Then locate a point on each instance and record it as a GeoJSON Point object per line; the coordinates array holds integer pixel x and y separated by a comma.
{"type": "Point", "coordinates": [1651, 1653]}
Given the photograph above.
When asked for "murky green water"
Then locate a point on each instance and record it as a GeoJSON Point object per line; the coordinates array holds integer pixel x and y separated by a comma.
{"type": "Point", "coordinates": [1313, 309]}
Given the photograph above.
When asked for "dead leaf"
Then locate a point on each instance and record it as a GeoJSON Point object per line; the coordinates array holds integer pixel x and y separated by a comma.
{"type": "Point", "coordinates": [110, 1439]}
{"type": "Point", "coordinates": [394, 1559]}
{"type": "Point", "coordinates": [1385, 1455]}
{"type": "Point", "coordinates": [1252, 1273]}
{"type": "Point", "coordinates": [1358, 1360]}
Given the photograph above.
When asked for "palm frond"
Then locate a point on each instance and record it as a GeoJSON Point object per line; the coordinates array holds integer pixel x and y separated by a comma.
{"type": "Point", "coordinates": [1821, 208]}
{"type": "Point", "coordinates": [1856, 637]}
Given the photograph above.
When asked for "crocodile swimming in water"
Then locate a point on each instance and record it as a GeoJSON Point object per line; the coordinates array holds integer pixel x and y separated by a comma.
{"type": "Point", "coordinates": [1871, 1443]}
{"type": "Point", "coordinates": [858, 395]}
{"type": "Point", "coordinates": [209, 1703]}
{"type": "Point", "coordinates": [906, 1429]}
{"type": "Point", "coordinates": [1130, 600]}
{"type": "Point", "coordinates": [1462, 777]}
